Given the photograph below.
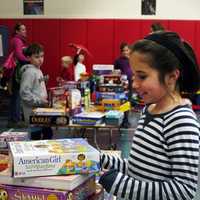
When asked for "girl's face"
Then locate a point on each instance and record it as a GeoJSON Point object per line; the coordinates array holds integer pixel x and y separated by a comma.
{"type": "Point", "coordinates": [22, 31]}
{"type": "Point", "coordinates": [125, 52]}
{"type": "Point", "coordinates": [146, 80]}
{"type": "Point", "coordinates": [37, 59]}
{"type": "Point", "coordinates": [81, 58]}
{"type": "Point", "coordinates": [65, 64]}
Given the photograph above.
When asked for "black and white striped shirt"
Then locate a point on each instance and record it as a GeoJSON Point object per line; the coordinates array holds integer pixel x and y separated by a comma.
{"type": "Point", "coordinates": [163, 161]}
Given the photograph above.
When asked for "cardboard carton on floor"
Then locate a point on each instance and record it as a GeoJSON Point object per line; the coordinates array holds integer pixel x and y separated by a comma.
{"type": "Point", "coordinates": [53, 157]}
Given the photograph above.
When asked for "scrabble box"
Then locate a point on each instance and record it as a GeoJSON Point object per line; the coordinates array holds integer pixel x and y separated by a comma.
{"type": "Point", "coordinates": [82, 192]}
{"type": "Point", "coordinates": [66, 182]}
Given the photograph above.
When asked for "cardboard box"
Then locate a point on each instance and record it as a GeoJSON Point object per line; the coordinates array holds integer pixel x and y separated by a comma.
{"type": "Point", "coordinates": [114, 117]}
{"type": "Point", "coordinates": [49, 120]}
{"type": "Point", "coordinates": [74, 101]}
{"type": "Point", "coordinates": [99, 69]}
{"type": "Point", "coordinates": [113, 104]}
{"type": "Point", "coordinates": [57, 97]}
{"type": "Point", "coordinates": [53, 157]}
{"type": "Point", "coordinates": [111, 95]}
{"type": "Point", "coordinates": [4, 161]}
{"type": "Point", "coordinates": [111, 88]}
{"type": "Point", "coordinates": [88, 118]}
{"type": "Point", "coordinates": [49, 111]}
{"type": "Point", "coordinates": [82, 192]}
{"type": "Point", "coordinates": [68, 85]}
{"type": "Point", "coordinates": [67, 182]}
{"type": "Point", "coordinates": [49, 116]}
{"type": "Point", "coordinates": [10, 135]}
{"type": "Point", "coordinates": [112, 79]}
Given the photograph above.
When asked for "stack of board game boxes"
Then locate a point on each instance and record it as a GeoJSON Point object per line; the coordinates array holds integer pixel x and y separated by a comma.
{"type": "Point", "coordinates": [61, 169]}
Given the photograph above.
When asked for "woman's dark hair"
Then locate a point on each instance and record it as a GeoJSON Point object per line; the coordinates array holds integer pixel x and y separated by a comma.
{"type": "Point", "coordinates": [17, 26]}
{"type": "Point", "coordinates": [75, 59]}
{"type": "Point", "coordinates": [166, 52]}
{"type": "Point", "coordinates": [122, 45]}
{"type": "Point", "coordinates": [34, 48]}
{"type": "Point", "coordinates": [157, 27]}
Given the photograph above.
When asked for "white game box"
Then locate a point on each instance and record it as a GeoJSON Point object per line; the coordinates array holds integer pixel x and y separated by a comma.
{"type": "Point", "coordinates": [63, 182]}
{"type": "Point", "coordinates": [53, 157]}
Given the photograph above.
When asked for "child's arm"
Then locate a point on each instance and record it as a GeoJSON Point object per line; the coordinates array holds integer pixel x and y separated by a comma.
{"type": "Point", "coordinates": [18, 49]}
{"type": "Point", "coordinates": [183, 150]}
{"type": "Point", "coordinates": [113, 162]}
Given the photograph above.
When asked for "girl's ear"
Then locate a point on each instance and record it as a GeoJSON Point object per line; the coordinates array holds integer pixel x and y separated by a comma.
{"type": "Point", "coordinates": [172, 78]}
{"type": "Point", "coordinates": [176, 74]}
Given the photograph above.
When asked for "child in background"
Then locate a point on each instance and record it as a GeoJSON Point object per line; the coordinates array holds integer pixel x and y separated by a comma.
{"type": "Point", "coordinates": [66, 73]}
{"type": "Point", "coordinates": [164, 158]}
{"type": "Point", "coordinates": [79, 67]}
{"type": "Point", "coordinates": [122, 63]}
{"type": "Point", "coordinates": [33, 91]}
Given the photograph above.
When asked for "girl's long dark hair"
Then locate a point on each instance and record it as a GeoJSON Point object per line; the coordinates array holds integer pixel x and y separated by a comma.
{"type": "Point", "coordinates": [166, 51]}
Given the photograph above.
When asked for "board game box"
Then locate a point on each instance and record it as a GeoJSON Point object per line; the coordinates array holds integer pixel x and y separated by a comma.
{"type": "Point", "coordinates": [82, 192]}
{"type": "Point", "coordinates": [53, 157]}
{"type": "Point", "coordinates": [66, 182]}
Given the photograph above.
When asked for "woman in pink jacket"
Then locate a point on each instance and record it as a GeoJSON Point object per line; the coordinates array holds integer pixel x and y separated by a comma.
{"type": "Point", "coordinates": [18, 43]}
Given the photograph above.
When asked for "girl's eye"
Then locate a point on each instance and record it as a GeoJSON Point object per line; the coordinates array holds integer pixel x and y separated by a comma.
{"type": "Point", "coordinates": [139, 77]}
{"type": "Point", "coordinates": [142, 77]}
{"type": "Point", "coordinates": [132, 80]}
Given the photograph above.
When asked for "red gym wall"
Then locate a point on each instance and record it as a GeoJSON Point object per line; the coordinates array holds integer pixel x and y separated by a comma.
{"type": "Point", "coordinates": [101, 36]}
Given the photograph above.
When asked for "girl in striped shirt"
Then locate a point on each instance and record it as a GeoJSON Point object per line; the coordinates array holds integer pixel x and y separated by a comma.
{"type": "Point", "coordinates": [163, 161]}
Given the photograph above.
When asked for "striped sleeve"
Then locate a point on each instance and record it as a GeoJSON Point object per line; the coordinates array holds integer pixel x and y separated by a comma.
{"type": "Point", "coordinates": [113, 162]}
{"type": "Point", "coordinates": [181, 136]}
